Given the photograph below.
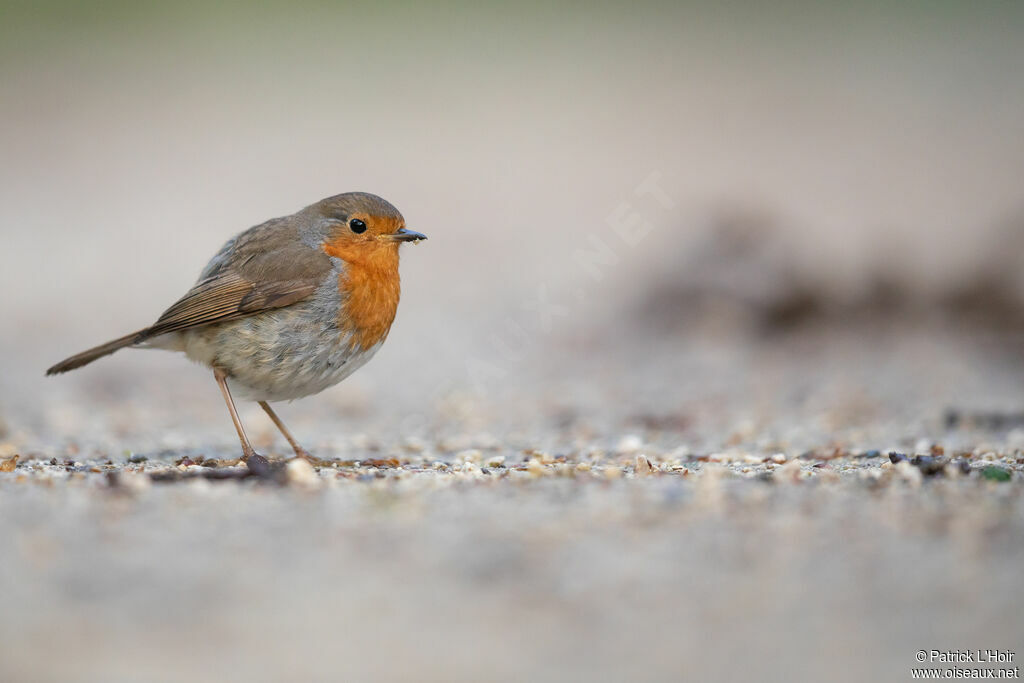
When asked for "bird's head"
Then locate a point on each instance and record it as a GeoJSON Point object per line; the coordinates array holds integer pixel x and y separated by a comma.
{"type": "Point", "coordinates": [362, 226]}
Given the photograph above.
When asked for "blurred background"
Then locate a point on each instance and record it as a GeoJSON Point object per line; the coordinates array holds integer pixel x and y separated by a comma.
{"type": "Point", "coordinates": [711, 225]}
{"type": "Point", "coordinates": [817, 164]}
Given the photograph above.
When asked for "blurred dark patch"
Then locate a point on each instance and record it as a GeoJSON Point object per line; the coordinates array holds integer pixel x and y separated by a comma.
{"type": "Point", "coordinates": [988, 421]}
{"type": "Point", "coordinates": [671, 422]}
{"type": "Point", "coordinates": [744, 273]}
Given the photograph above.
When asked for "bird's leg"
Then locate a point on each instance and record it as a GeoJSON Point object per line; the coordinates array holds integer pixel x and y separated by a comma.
{"type": "Point", "coordinates": [299, 450]}
{"type": "Point", "coordinates": [222, 381]}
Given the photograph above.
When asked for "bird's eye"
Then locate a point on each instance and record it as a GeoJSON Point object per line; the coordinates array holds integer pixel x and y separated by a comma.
{"type": "Point", "coordinates": [357, 226]}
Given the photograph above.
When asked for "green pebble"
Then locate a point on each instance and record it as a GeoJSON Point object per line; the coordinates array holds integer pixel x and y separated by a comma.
{"type": "Point", "coordinates": [993, 473]}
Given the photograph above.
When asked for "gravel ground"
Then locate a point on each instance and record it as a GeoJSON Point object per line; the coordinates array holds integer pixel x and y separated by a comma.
{"type": "Point", "coordinates": [447, 567]}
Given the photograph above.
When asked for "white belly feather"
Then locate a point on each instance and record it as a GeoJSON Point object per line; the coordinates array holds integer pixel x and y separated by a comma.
{"type": "Point", "coordinates": [277, 355]}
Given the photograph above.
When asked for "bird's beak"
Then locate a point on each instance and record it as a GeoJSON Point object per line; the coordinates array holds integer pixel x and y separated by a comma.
{"type": "Point", "coordinates": [405, 235]}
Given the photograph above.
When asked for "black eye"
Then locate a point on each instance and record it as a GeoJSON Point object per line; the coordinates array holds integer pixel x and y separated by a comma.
{"type": "Point", "coordinates": [357, 226]}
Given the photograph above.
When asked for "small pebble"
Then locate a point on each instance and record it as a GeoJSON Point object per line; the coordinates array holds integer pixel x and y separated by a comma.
{"type": "Point", "coordinates": [643, 466]}
{"type": "Point", "coordinates": [791, 472]}
{"type": "Point", "coordinates": [298, 471]}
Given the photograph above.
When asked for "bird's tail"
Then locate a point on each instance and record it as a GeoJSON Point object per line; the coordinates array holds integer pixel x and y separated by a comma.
{"type": "Point", "coordinates": [86, 357]}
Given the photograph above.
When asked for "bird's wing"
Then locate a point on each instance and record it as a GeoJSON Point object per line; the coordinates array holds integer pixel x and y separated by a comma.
{"type": "Point", "coordinates": [263, 268]}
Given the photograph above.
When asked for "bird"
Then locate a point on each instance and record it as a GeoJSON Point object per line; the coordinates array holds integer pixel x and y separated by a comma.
{"type": "Point", "coordinates": [287, 308]}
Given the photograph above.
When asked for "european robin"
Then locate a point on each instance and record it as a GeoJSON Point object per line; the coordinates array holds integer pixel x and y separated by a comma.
{"type": "Point", "coordinates": [288, 307]}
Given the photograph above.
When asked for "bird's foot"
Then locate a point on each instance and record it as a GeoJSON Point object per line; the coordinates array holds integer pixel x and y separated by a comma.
{"type": "Point", "coordinates": [303, 454]}
{"type": "Point", "coordinates": [261, 466]}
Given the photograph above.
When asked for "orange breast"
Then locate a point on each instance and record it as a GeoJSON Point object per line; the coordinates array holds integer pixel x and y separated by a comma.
{"type": "Point", "coordinates": [370, 290]}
